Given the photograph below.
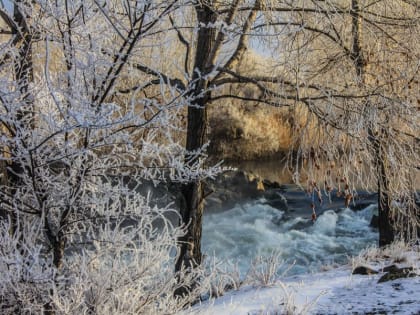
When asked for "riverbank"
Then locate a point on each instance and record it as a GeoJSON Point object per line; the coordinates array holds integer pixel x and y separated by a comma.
{"type": "Point", "coordinates": [335, 291]}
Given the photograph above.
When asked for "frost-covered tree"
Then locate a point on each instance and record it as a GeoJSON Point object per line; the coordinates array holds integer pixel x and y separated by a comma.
{"type": "Point", "coordinates": [77, 143]}
{"type": "Point", "coordinates": [348, 73]}
{"type": "Point", "coordinates": [211, 39]}
{"type": "Point", "coordinates": [355, 68]}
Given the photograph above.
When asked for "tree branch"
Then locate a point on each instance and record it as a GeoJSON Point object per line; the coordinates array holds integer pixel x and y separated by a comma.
{"type": "Point", "coordinates": [221, 35]}
{"type": "Point", "coordinates": [243, 39]}
{"type": "Point", "coordinates": [184, 42]}
{"type": "Point", "coordinates": [251, 99]}
{"type": "Point", "coordinates": [177, 83]}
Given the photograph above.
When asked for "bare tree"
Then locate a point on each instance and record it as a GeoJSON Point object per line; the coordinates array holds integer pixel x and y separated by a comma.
{"type": "Point", "coordinates": [355, 66]}
{"type": "Point", "coordinates": [19, 53]}
{"type": "Point", "coordinates": [215, 39]}
{"type": "Point", "coordinates": [323, 50]}
{"type": "Point", "coordinates": [76, 141]}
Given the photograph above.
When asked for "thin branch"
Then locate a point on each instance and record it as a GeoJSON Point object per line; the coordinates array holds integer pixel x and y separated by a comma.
{"type": "Point", "coordinates": [238, 78]}
{"type": "Point", "coordinates": [252, 99]}
{"type": "Point", "coordinates": [184, 42]}
{"type": "Point", "coordinates": [268, 8]}
{"type": "Point", "coordinates": [243, 39]}
{"type": "Point", "coordinates": [221, 34]}
{"type": "Point", "coordinates": [175, 82]}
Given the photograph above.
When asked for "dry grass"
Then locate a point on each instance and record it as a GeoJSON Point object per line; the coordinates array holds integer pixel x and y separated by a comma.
{"type": "Point", "coordinates": [246, 132]}
{"type": "Point", "coordinates": [398, 252]}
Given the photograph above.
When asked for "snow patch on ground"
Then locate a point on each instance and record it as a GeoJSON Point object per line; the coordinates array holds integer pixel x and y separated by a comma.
{"type": "Point", "coordinates": [336, 291]}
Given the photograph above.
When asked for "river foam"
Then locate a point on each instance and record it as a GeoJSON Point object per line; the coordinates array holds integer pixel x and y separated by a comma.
{"type": "Point", "coordinates": [255, 228]}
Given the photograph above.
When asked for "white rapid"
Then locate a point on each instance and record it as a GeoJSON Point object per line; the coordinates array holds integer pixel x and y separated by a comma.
{"type": "Point", "coordinates": [255, 228]}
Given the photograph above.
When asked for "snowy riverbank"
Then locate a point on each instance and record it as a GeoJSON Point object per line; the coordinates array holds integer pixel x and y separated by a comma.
{"type": "Point", "coordinates": [336, 291]}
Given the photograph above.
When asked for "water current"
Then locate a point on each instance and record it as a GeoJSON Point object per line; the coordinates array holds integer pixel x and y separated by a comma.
{"type": "Point", "coordinates": [256, 228]}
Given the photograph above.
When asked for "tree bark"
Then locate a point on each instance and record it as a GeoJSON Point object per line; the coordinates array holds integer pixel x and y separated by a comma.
{"type": "Point", "coordinates": [386, 230]}
{"type": "Point", "coordinates": [385, 222]}
{"type": "Point", "coordinates": [192, 204]}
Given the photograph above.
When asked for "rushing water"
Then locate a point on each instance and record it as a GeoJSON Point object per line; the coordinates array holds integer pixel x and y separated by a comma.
{"type": "Point", "coordinates": [256, 228]}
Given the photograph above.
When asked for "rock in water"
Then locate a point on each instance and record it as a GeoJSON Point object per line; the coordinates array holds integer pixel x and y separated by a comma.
{"type": "Point", "coordinates": [374, 222]}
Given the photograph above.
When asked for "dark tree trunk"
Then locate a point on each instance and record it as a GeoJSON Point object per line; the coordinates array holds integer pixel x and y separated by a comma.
{"type": "Point", "coordinates": [386, 230]}
{"type": "Point", "coordinates": [192, 204]}
{"type": "Point", "coordinates": [58, 252]}
{"type": "Point", "coordinates": [385, 220]}
{"type": "Point", "coordinates": [357, 52]}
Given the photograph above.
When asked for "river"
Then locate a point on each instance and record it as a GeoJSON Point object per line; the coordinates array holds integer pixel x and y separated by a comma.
{"type": "Point", "coordinates": [279, 220]}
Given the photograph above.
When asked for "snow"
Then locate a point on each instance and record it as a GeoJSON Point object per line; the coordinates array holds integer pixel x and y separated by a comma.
{"type": "Point", "coordinates": [335, 291]}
